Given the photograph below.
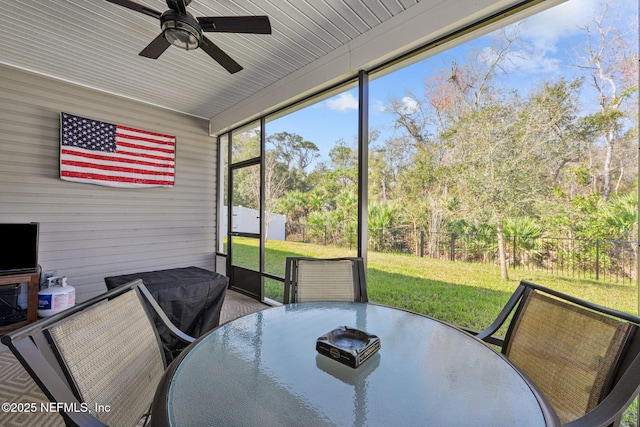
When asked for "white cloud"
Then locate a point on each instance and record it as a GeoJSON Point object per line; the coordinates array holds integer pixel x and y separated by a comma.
{"type": "Point", "coordinates": [536, 64]}
{"type": "Point", "coordinates": [547, 28]}
{"type": "Point", "coordinates": [544, 35]}
{"type": "Point", "coordinates": [343, 102]}
{"type": "Point", "coordinates": [377, 106]}
{"type": "Point", "coordinates": [520, 61]}
{"type": "Point", "coordinates": [409, 105]}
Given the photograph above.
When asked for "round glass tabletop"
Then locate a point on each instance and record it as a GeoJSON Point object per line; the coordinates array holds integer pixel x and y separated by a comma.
{"type": "Point", "coordinates": [263, 369]}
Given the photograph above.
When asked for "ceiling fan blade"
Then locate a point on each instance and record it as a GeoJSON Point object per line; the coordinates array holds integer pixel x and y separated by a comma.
{"type": "Point", "coordinates": [236, 24]}
{"type": "Point", "coordinates": [137, 7]}
{"type": "Point", "coordinates": [216, 53]}
{"type": "Point", "coordinates": [156, 47]}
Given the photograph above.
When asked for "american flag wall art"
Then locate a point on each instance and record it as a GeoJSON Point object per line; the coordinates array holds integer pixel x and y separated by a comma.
{"type": "Point", "coordinates": [103, 153]}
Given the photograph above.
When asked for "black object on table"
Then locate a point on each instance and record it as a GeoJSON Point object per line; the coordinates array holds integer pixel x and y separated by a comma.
{"type": "Point", "coordinates": [191, 297]}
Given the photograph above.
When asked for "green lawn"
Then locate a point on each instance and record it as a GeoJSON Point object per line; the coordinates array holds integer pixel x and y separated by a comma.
{"type": "Point", "coordinates": [457, 292]}
{"type": "Point", "coordinates": [472, 294]}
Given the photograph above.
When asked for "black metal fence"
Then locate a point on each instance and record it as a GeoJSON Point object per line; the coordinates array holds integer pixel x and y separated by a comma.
{"type": "Point", "coordinates": [600, 259]}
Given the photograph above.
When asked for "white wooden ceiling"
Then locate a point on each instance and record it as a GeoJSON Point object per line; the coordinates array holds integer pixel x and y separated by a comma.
{"type": "Point", "coordinates": [95, 44]}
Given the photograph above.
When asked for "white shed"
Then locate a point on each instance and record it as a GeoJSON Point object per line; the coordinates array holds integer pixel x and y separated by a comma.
{"type": "Point", "coordinates": [247, 220]}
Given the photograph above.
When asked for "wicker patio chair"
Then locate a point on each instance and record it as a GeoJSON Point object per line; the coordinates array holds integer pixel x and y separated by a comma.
{"type": "Point", "coordinates": [583, 357]}
{"type": "Point", "coordinates": [324, 279]}
{"type": "Point", "coordinates": [100, 360]}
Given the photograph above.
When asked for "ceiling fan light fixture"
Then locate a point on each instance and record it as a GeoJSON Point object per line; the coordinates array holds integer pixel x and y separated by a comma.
{"type": "Point", "coordinates": [181, 30]}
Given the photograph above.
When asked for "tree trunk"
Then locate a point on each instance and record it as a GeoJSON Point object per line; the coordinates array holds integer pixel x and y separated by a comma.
{"type": "Point", "coordinates": [610, 138]}
{"type": "Point", "coordinates": [502, 256]}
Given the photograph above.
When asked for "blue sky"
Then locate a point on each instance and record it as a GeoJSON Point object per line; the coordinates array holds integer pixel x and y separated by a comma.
{"type": "Point", "coordinates": [551, 48]}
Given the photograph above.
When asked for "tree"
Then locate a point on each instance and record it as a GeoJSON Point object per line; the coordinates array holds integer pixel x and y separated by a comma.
{"type": "Point", "coordinates": [275, 181]}
{"type": "Point", "coordinates": [427, 123]}
{"type": "Point", "coordinates": [343, 172]}
{"type": "Point", "coordinates": [551, 113]}
{"type": "Point", "coordinates": [506, 158]}
{"type": "Point", "coordinates": [613, 68]}
{"type": "Point", "coordinates": [286, 158]}
{"type": "Point", "coordinates": [296, 154]}
{"type": "Point", "coordinates": [497, 152]}
{"type": "Point", "coordinates": [246, 181]}
{"type": "Point", "coordinates": [494, 170]}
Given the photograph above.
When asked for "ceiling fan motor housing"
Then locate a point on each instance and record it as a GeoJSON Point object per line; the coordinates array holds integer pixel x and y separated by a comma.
{"type": "Point", "coordinates": [181, 30]}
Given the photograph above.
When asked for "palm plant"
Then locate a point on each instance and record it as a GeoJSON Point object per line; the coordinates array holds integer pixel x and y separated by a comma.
{"type": "Point", "coordinates": [383, 218]}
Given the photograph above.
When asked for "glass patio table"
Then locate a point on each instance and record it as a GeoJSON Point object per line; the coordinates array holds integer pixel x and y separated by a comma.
{"type": "Point", "coordinates": [263, 370]}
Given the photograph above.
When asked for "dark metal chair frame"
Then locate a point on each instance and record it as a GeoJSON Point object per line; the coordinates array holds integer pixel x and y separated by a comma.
{"type": "Point", "coordinates": [291, 274]}
{"type": "Point", "coordinates": [33, 350]}
{"type": "Point", "coordinates": [626, 377]}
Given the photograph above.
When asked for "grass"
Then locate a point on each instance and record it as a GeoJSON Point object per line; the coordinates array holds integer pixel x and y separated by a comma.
{"type": "Point", "coordinates": [462, 293]}
{"type": "Point", "coordinates": [472, 294]}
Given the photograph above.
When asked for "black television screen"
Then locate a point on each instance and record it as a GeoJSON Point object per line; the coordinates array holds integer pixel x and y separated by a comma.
{"type": "Point", "coordinates": [18, 248]}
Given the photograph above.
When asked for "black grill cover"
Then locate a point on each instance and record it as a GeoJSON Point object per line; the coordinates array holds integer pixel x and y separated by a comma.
{"type": "Point", "coordinates": [191, 297]}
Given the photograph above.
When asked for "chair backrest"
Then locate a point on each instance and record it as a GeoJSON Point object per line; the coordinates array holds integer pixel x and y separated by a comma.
{"type": "Point", "coordinates": [104, 353]}
{"type": "Point", "coordinates": [571, 353]}
{"type": "Point", "coordinates": [325, 279]}
{"type": "Point", "coordinates": [112, 355]}
{"type": "Point", "coordinates": [585, 358]}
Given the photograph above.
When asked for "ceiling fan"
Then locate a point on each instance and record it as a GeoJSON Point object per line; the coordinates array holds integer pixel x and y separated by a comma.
{"type": "Point", "coordinates": [181, 29]}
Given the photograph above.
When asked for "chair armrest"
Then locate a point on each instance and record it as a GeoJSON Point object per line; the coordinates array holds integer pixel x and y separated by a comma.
{"type": "Point", "coordinates": [163, 317]}
{"type": "Point", "coordinates": [611, 408]}
{"type": "Point", "coordinates": [491, 339]}
{"type": "Point", "coordinates": [487, 335]}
